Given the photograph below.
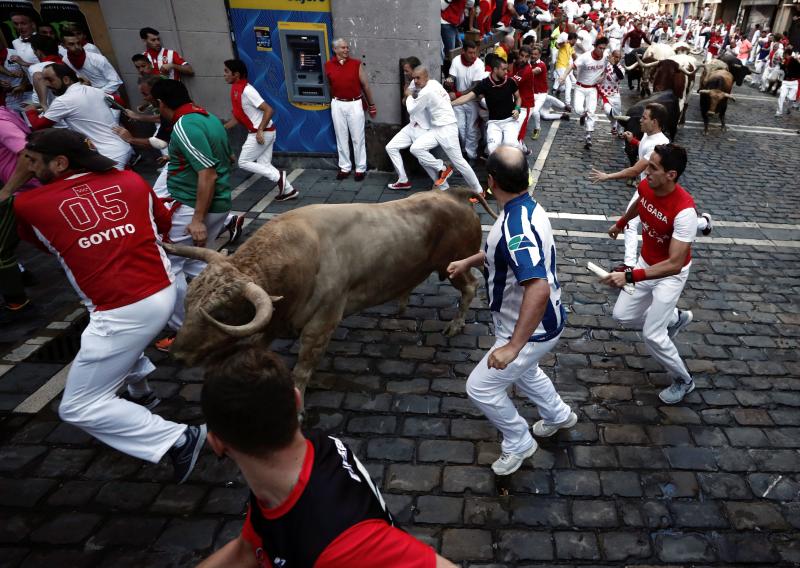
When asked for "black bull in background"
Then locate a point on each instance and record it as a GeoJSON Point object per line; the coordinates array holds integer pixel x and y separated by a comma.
{"type": "Point", "coordinates": [634, 74]}
{"type": "Point", "coordinates": [634, 114]}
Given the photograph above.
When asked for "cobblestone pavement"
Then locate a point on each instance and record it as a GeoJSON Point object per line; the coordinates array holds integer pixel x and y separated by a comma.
{"type": "Point", "coordinates": [713, 481]}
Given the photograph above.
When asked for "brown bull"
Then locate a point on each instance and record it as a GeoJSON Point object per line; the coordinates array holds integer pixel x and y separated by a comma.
{"type": "Point", "coordinates": [715, 90]}
{"type": "Point", "coordinates": [305, 270]}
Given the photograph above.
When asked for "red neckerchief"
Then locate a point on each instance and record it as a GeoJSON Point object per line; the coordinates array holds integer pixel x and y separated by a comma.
{"type": "Point", "coordinates": [596, 58]}
{"type": "Point", "coordinates": [78, 59]}
{"type": "Point", "coordinates": [241, 117]}
{"type": "Point", "coordinates": [187, 108]}
{"type": "Point", "coordinates": [52, 59]}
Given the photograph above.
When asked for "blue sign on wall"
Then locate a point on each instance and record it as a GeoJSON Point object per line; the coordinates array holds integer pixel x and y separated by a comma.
{"type": "Point", "coordinates": [275, 42]}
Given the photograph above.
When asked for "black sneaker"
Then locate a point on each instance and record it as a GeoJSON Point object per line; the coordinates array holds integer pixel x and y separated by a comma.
{"type": "Point", "coordinates": [294, 194]}
{"type": "Point", "coordinates": [149, 401]}
{"type": "Point", "coordinates": [588, 144]}
{"type": "Point", "coordinates": [235, 230]}
{"type": "Point", "coordinates": [583, 120]}
{"type": "Point", "coordinates": [11, 313]}
{"type": "Point", "coordinates": [185, 457]}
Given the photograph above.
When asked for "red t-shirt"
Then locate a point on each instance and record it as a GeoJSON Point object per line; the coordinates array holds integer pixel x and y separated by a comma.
{"type": "Point", "coordinates": [343, 78]}
{"type": "Point", "coordinates": [523, 76]}
{"type": "Point", "coordinates": [102, 228]}
{"type": "Point", "coordinates": [162, 57]}
{"type": "Point", "coordinates": [540, 79]}
{"type": "Point", "coordinates": [454, 13]}
{"type": "Point", "coordinates": [368, 544]}
{"type": "Point", "coordinates": [657, 215]}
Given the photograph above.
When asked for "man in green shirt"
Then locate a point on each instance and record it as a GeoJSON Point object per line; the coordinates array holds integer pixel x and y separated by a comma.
{"type": "Point", "coordinates": [198, 170]}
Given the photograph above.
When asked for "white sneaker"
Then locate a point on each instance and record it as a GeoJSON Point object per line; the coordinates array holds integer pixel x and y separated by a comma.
{"type": "Point", "coordinates": [674, 393]}
{"type": "Point", "coordinates": [507, 464]}
{"type": "Point", "coordinates": [685, 317]}
{"type": "Point", "coordinates": [544, 430]}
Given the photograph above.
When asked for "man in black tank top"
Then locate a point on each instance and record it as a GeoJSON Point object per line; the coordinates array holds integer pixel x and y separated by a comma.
{"type": "Point", "coordinates": [312, 503]}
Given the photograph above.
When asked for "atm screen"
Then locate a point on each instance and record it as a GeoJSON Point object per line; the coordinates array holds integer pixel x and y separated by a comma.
{"type": "Point", "coordinates": [308, 61]}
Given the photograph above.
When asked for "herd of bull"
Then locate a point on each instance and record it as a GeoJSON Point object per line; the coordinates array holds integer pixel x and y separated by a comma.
{"type": "Point", "coordinates": [667, 77]}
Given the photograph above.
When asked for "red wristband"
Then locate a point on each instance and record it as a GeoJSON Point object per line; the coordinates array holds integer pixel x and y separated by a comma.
{"type": "Point", "coordinates": [639, 274]}
{"type": "Point", "coordinates": [635, 141]}
{"type": "Point", "coordinates": [621, 223]}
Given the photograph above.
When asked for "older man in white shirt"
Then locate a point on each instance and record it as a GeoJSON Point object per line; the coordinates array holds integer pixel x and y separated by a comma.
{"type": "Point", "coordinates": [432, 97]}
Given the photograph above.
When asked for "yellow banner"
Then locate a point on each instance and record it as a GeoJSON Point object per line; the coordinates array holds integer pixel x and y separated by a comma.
{"type": "Point", "coordinates": [283, 5]}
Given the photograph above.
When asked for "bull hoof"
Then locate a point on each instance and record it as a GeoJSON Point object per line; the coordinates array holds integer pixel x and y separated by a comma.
{"type": "Point", "coordinates": [454, 328]}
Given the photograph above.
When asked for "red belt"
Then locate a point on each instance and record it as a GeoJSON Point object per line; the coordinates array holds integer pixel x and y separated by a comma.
{"type": "Point", "coordinates": [586, 86]}
{"type": "Point", "coordinates": [358, 98]}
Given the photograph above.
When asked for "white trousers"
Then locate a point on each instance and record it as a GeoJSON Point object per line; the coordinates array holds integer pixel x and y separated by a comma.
{"type": "Point", "coordinates": [499, 132]}
{"type": "Point", "coordinates": [402, 140]}
{"type": "Point", "coordinates": [651, 307]}
{"type": "Point", "coordinates": [487, 388]}
{"type": "Point", "coordinates": [257, 158]}
{"type": "Point", "coordinates": [613, 102]}
{"type": "Point", "coordinates": [468, 133]}
{"type": "Point", "coordinates": [586, 102]}
{"type": "Point", "coordinates": [550, 103]}
{"type": "Point", "coordinates": [447, 137]}
{"type": "Point", "coordinates": [160, 185]}
{"type": "Point", "coordinates": [348, 124]}
{"type": "Point", "coordinates": [788, 94]}
{"type": "Point", "coordinates": [613, 43]}
{"type": "Point", "coordinates": [538, 102]}
{"type": "Point", "coordinates": [183, 267]}
{"type": "Point", "coordinates": [569, 83]}
{"type": "Point", "coordinates": [110, 356]}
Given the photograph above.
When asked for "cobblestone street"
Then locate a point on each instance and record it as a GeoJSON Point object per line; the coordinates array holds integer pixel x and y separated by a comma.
{"type": "Point", "coordinates": [713, 481]}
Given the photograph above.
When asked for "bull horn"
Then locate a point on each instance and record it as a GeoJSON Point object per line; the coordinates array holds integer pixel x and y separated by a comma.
{"type": "Point", "coordinates": [696, 51]}
{"type": "Point", "coordinates": [262, 302]}
{"type": "Point", "coordinates": [632, 67]}
{"type": "Point", "coordinates": [687, 73]}
{"type": "Point", "coordinates": [621, 118]}
{"type": "Point", "coordinates": [646, 65]}
{"type": "Point", "coordinates": [197, 253]}
{"type": "Point", "coordinates": [704, 91]}
{"type": "Point", "coordinates": [730, 96]}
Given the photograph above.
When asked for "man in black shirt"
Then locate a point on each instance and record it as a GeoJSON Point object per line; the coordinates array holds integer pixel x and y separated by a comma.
{"type": "Point", "coordinates": [791, 75]}
{"type": "Point", "coordinates": [503, 101]}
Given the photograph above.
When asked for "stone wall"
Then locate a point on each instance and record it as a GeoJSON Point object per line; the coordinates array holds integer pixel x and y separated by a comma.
{"type": "Point", "coordinates": [197, 29]}
{"type": "Point", "coordinates": [380, 34]}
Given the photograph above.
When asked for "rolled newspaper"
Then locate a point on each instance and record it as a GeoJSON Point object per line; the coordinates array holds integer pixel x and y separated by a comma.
{"type": "Point", "coordinates": [601, 273]}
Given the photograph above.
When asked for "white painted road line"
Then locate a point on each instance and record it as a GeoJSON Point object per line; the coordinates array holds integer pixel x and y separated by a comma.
{"type": "Point", "coordinates": [237, 191]}
{"type": "Point", "coordinates": [46, 393]}
{"type": "Point", "coordinates": [538, 166]}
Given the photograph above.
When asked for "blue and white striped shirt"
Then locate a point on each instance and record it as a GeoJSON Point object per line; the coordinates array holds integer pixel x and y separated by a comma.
{"type": "Point", "coordinates": [520, 247]}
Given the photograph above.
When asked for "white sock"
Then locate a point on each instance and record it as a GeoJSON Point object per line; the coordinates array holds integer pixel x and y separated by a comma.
{"type": "Point", "coordinates": [181, 441]}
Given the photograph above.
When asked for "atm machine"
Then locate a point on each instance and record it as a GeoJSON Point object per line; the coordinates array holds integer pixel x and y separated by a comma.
{"type": "Point", "coordinates": [285, 48]}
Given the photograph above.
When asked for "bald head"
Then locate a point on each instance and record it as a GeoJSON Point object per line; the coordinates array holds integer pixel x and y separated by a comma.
{"type": "Point", "coordinates": [509, 40]}
{"type": "Point", "coordinates": [509, 169]}
{"type": "Point", "coordinates": [420, 76]}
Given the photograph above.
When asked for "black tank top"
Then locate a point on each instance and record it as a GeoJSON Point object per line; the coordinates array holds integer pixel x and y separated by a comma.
{"type": "Point", "coordinates": [339, 495]}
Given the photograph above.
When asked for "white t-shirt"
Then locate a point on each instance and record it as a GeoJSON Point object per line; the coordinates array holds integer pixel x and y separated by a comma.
{"type": "Point", "coordinates": [588, 70]}
{"type": "Point", "coordinates": [24, 51]}
{"type": "Point", "coordinates": [99, 72]}
{"type": "Point", "coordinates": [570, 8]}
{"type": "Point", "coordinates": [646, 145]}
{"type": "Point", "coordinates": [417, 114]}
{"type": "Point", "coordinates": [251, 100]}
{"type": "Point", "coordinates": [83, 108]}
{"type": "Point", "coordinates": [435, 99]}
{"type": "Point", "coordinates": [465, 76]}
{"type": "Point", "coordinates": [584, 42]}
{"type": "Point", "coordinates": [614, 31]}
{"type": "Point", "coordinates": [33, 70]}
{"type": "Point", "coordinates": [661, 35]}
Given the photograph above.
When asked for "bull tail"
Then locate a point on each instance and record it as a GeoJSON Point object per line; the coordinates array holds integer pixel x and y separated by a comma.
{"type": "Point", "coordinates": [482, 200]}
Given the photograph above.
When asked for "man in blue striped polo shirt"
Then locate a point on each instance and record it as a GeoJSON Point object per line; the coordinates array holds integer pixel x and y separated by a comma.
{"type": "Point", "coordinates": [519, 263]}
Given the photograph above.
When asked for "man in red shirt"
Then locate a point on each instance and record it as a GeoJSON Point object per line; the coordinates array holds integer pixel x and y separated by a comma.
{"type": "Point", "coordinates": [101, 224]}
{"type": "Point", "coordinates": [523, 76]}
{"type": "Point", "coordinates": [348, 82]}
{"type": "Point", "coordinates": [669, 225]}
{"type": "Point", "coordinates": [312, 503]}
{"type": "Point", "coordinates": [539, 70]}
{"type": "Point", "coordinates": [166, 62]}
